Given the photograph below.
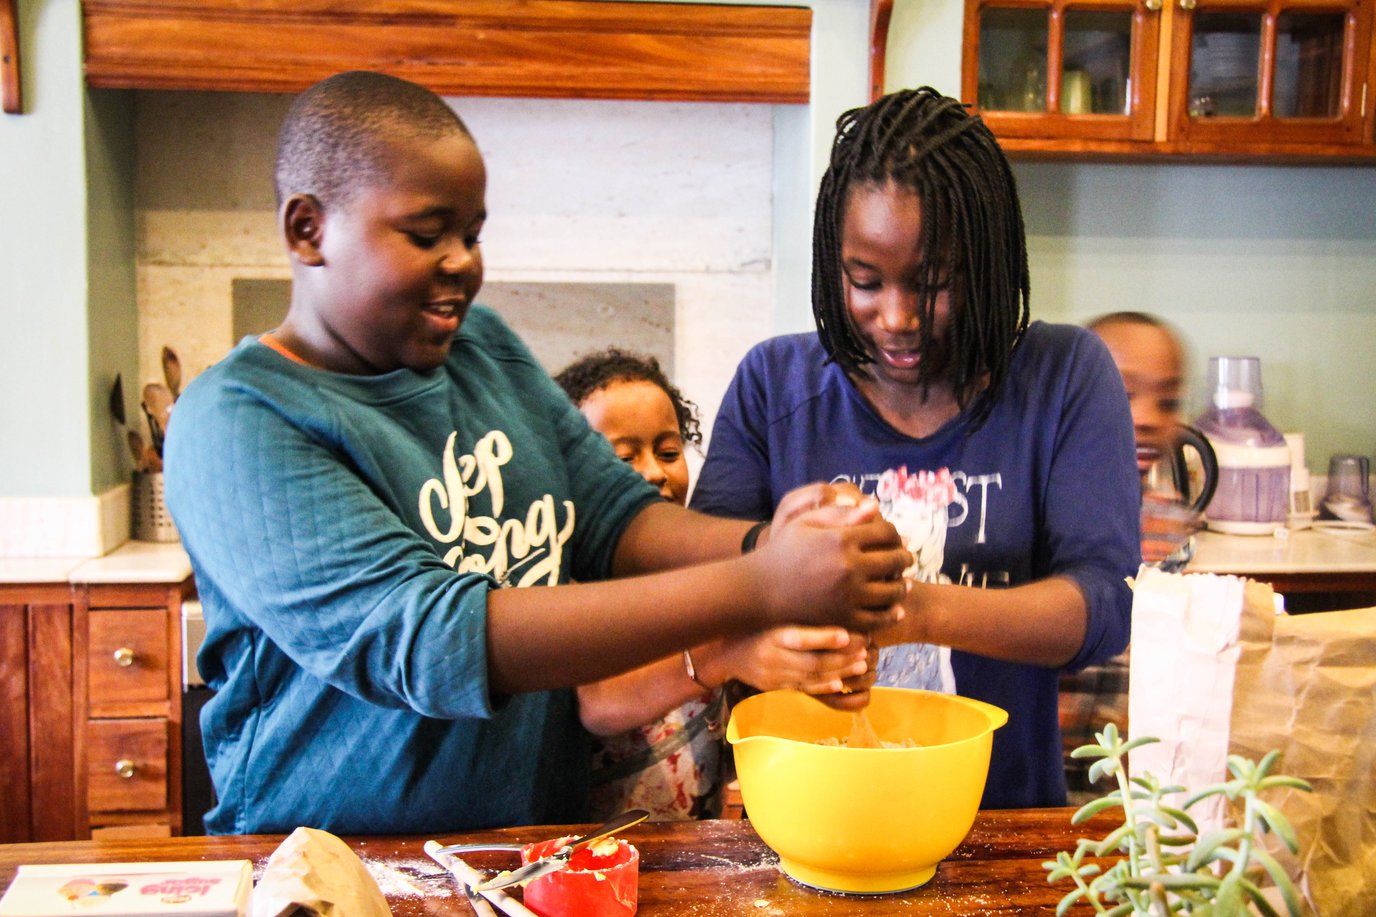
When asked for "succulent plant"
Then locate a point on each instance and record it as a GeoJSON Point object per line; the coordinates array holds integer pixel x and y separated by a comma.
{"type": "Point", "coordinates": [1165, 865]}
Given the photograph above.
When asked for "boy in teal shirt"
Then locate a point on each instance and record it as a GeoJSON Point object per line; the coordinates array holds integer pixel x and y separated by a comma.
{"type": "Point", "coordinates": [355, 487]}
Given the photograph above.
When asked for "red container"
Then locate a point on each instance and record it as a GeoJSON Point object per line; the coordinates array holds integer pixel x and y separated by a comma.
{"type": "Point", "coordinates": [601, 880]}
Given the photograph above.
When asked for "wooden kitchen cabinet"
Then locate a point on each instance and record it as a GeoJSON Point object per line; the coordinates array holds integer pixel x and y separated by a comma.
{"type": "Point", "coordinates": [596, 49]}
{"type": "Point", "coordinates": [1255, 80]}
{"type": "Point", "coordinates": [130, 769]}
{"type": "Point", "coordinates": [90, 708]}
{"type": "Point", "coordinates": [38, 714]}
{"type": "Point", "coordinates": [126, 770]}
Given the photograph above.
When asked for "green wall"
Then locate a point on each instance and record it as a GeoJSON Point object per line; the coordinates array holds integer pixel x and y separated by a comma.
{"type": "Point", "coordinates": [66, 284]}
{"type": "Point", "coordinates": [1269, 261]}
{"type": "Point", "coordinates": [112, 313]}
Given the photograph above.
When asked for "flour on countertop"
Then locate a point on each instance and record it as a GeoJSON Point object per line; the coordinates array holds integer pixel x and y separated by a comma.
{"type": "Point", "coordinates": [414, 877]}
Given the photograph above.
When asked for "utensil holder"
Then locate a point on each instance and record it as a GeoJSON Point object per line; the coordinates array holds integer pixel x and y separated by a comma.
{"type": "Point", "coordinates": [152, 521]}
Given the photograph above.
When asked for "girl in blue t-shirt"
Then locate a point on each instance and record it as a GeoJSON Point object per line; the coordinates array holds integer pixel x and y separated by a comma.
{"type": "Point", "coordinates": [1000, 448]}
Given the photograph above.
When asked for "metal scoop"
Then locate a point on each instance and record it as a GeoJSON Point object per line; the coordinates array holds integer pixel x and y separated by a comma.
{"type": "Point", "coordinates": [560, 858]}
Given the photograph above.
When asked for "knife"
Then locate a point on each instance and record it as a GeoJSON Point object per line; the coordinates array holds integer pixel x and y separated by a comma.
{"type": "Point", "coordinates": [467, 877]}
{"type": "Point", "coordinates": [560, 858]}
{"type": "Point", "coordinates": [476, 848]}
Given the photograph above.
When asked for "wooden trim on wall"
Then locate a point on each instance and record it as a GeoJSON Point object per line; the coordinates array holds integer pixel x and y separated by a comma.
{"type": "Point", "coordinates": [881, 11]}
{"type": "Point", "coordinates": [600, 49]}
{"type": "Point", "coordinates": [11, 87]}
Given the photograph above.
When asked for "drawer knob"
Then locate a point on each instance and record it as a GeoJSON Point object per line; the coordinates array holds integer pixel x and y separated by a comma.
{"type": "Point", "coordinates": [124, 657]}
{"type": "Point", "coordinates": [125, 768]}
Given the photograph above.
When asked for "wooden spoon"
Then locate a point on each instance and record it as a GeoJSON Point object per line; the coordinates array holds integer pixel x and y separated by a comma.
{"type": "Point", "coordinates": [172, 372]}
{"type": "Point", "coordinates": [138, 451]}
{"type": "Point", "coordinates": [157, 401]}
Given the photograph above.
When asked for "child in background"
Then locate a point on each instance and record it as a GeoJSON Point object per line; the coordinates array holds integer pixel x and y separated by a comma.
{"type": "Point", "coordinates": [361, 489]}
{"type": "Point", "coordinates": [1151, 361]}
{"type": "Point", "coordinates": [1007, 445]}
{"type": "Point", "coordinates": [661, 725]}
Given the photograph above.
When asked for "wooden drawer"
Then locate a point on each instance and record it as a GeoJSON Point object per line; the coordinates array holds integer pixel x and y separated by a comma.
{"type": "Point", "coordinates": [126, 765]}
{"type": "Point", "coordinates": [127, 659]}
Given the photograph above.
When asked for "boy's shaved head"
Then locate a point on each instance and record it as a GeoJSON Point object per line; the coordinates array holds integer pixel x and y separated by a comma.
{"type": "Point", "coordinates": [332, 136]}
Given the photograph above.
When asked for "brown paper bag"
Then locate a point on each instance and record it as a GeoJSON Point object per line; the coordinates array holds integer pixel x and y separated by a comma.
{"type": "Point", "coordinates": [1228, 675]}
{"type": "Point", "coordinates": [1307, 686]}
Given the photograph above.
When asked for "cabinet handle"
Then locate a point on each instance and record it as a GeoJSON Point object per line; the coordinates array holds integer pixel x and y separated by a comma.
{"type": "Point", "coordinates": [1153, 5]}
{"type": "Point", "coordinates": [1187, 4]}
{"type": "Point", "coordinates": [124, 657]}
{"type": "Point", "coordinates": [125, 768]}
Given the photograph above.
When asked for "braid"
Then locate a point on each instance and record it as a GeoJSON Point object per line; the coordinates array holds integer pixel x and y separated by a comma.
{"type": "Point", "coordinates": [973, 236]}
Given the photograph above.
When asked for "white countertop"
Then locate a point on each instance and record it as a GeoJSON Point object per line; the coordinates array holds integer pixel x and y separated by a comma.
{"type": "Point", "coordinates": [131, 562]}
{"type": "Point", "coordinates": [1298, 551]}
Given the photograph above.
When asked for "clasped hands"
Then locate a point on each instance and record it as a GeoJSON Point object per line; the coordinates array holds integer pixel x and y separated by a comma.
{"type": "Point", "coordinates": [836, 569]}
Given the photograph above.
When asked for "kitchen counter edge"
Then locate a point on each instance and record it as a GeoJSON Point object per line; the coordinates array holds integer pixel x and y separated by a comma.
{"type": "Point", "coordinates": [131, 562]}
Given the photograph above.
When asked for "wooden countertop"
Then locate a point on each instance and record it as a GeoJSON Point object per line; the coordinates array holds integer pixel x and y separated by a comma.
{"type": "Point", "coordinates": [687, 869]}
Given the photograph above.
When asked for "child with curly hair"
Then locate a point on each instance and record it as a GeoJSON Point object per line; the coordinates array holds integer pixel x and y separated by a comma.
{"type": "Point", "coordinates": [660, 726]}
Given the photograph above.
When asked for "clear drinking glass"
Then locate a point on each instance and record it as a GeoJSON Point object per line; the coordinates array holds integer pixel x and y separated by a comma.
{"type": "Point", "coordinates": [1168, 521]}
{"type": "Point", "coordinates": [1012, 58]}
{"type": "Point", "coordinates": [1348, 496]}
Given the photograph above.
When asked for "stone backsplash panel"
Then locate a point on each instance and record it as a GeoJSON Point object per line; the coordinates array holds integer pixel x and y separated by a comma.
{"type": "Point", "coordinates": [641, 198]}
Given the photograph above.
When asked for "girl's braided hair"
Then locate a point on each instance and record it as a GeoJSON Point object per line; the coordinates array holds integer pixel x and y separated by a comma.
{"type": "Point", "coordinates": [597, 370]}
{"type": "Point", "coordinates": [972, 235]}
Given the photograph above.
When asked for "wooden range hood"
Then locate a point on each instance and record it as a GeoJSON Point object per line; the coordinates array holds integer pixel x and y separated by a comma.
{"type": "Point", "coordinates": [600, 49]}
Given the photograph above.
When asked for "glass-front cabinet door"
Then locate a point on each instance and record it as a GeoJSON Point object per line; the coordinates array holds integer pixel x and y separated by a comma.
{"type": "Point", "coordinates": [1231, 78]}
{"type": "Point", "coordinates": [1270, 71]}
{"type": "Point", "coordinates": [1063, 68]}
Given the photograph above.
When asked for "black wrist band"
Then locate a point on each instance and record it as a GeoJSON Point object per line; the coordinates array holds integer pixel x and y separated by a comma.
{"type": "Point", "coordinates": [752, 536]}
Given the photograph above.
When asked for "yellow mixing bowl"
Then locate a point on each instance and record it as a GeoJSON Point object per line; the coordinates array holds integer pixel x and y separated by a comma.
{"type": "Point", "coordinates": [864, 820]}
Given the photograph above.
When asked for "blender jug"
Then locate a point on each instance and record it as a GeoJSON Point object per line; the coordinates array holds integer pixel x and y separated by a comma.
{"type": "Point", "coordinates": [1253, 492]}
